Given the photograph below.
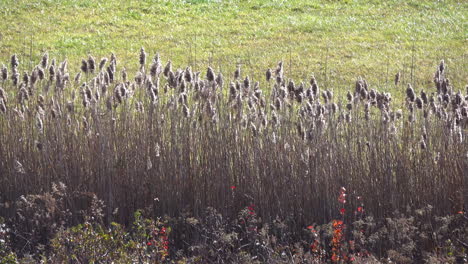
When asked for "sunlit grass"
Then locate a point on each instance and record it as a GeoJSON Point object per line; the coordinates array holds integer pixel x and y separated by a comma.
{"type": "Point", "coordinates": [336, 40]}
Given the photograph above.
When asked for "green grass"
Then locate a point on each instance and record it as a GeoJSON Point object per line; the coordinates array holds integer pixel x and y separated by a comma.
{"type": "Point", "coordinates": [337, 40]}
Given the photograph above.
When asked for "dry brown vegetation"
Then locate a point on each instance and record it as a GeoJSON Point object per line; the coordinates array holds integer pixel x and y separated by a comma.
{"type": "Point", "coordinates": [180, 141]}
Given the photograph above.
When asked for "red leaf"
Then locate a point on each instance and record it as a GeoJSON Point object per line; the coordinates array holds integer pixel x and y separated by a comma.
{"type": "Point", "coordinates": [342, 211]}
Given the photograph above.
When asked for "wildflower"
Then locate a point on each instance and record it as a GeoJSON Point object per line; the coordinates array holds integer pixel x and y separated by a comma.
{"type": "Point", "coordinates": [337, 223]}
{"type": "Point", "coordinates": [233, 187]}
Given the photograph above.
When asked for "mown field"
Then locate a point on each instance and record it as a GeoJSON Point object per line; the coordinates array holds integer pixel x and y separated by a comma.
{"type": "Point", "coordinates": [233, 132]}
{"type": "Point", "coordinates": [336, 40]}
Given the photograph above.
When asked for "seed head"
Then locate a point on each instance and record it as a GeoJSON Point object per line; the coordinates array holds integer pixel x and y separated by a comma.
{"type": "Point", "coordinates": [458, 99]}
{"type": "Point", "coordinates": [410, 93]}
{"type": "Point", "coordinates": [424, 97]}
{"type": "Point", "coordinates": [15, 77]}
{"type": "Point", "coordinates": [91, 64]}
{"type": "Point", "coordinates": [419, 103]}
{"type": "Point", "coordinates": [210, 75]}
{"type": "Point", "coordinates": [359, 86]}
{"type": "Point", "coordinates": [139, 78]}
{"type": "Point", "coordinates": [315, 89]}
{"type": "Point", "coordinates": [279, 69]}
{"type": "Point", "coordinates": [442, 66]}
{"type": "Point", "coordinates": [14, 61]}
{"type": "Point", "coordinates": [268, 75]}
{"type": "Point", "coordinates": [232, 90]}
{"type": "Point", "coordinates": [167, 69]}
{"type": "Point", "coordinates": [237, 73]}
{"type": "Point", "coordinates": [372, 94]}
{"type": "Point", "coordinates": [34, 76]}
{"type": "Point", "coordinates": [330, 95]}
{"type": "Point", "coordinates": [63, 66]}
{"type": "Point", "coordinates": [142, 57]}
{"type": "Point", "coordinates": [102, 63]}
{"type": "Point", "coordinates": [26, 78]}
{"type": "Point", "coordinates": [182, 86]}
{"type": "Point", "coordinates": [110, 73]}
{"type": "Point", "coordinates": [247, 82]}
{"type": "Point", "coordinates": [45, 60]}
{"type": "Point", "coordinates": [397, 78]}
{"type": "Point", "coordinates": [40, 73]}
{"type": "Point", "coordinates": [113, 59]}
{"type": "Point", "coordinates": [154, 69]}
{"type": "Point", "coordinates": [4, 73]}
{"type": "Point", "coordinates": [188, 75]}
{"type": "Point", "coordinates": [349, 96]}
{"type": "Point", "coordinates": [52, 72]}
{"type": "Point", "coordinates": [172, 80]}
{"type": "Point", "coordinates": [325, 96]}
{"type": "Point", "coordinates": [84, 66]}
{"type": "Point", "coordinates": [291, 86]}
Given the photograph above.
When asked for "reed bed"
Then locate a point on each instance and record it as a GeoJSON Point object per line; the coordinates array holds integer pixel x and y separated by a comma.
{"type": "Point", "coordinates": [174, 140]}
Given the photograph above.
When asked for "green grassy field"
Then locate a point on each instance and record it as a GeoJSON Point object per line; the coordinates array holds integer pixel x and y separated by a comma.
{"type": "Point", "coordinates": [336, 40]}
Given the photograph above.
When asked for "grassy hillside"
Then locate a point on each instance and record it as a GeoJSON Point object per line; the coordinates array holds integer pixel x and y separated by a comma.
{"type": "Point", "coordinates": [337, 40]}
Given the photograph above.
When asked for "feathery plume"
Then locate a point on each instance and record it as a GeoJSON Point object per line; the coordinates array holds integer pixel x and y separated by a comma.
{"type": "Point", "coordinates": [4, 73]}
{"type": "Point", "coordinates": [268, 75]}
{"type": "Point", "coordinates": [45, 60]}
{"type": "Point", "coordinates": [91, 64]}
{"type": "Point", "coordinates": [63, 66]}
{"type": "Point", "coordinates": [40, 73]}
{"type": "Point", "coordinates": [247, 82]}
{"type": "Point", "coordinates": [279, 69]}
{"type": "Point", "coordinates": [102, 63]}
{"type": "Point", "coordinates": [442, 66]}
{"type": "Point", "coordinates": [237, 72]}
{"type": "Point", "coordinates": [52, 73]}
{"type": "Point", "coordinates": [210, 75]}
{"type": "Point", "coordinates": [142, 57]}
{"type": "Point", "coordinates": [410, 93]}
{"type": "Point", "coordinates": [419, 103]}
{"type": "Point", "coordinates": [84, 66]}
{"type": "Point", "coordinates": [14, 61]}
{"type": "Point", "coordinates": [167, 69]}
